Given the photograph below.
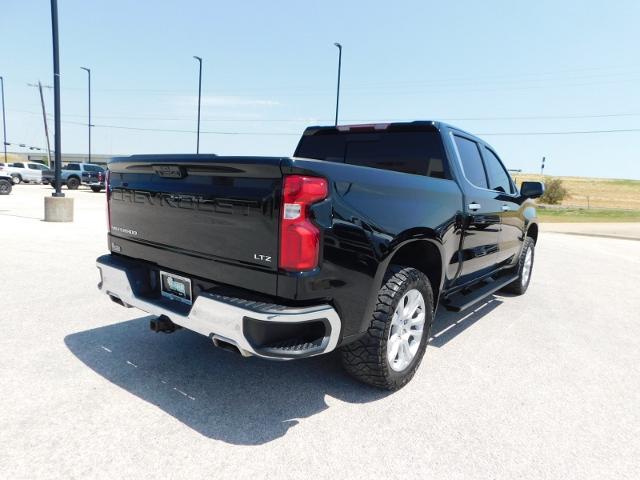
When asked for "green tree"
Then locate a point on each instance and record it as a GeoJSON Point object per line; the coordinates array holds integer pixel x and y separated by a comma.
{"type": "Point", "coordinates": [554, 192]}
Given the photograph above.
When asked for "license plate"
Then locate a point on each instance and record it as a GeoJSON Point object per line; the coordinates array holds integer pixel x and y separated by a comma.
{"type": "Point", "coordinates": [175, 287]}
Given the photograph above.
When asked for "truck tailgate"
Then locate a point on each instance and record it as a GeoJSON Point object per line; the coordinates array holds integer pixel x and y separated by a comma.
{"type": "Point", "coordinates": [213, 212]}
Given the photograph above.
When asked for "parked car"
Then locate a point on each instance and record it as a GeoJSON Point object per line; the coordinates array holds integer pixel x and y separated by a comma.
{"type": "Point", "coordinates": [351, 244]}
{"type": "Point", "coordinates": [6, 183]}
{"type": "Point", "coordinates": [26, 171]}
{"type": "Point", "coordinates": [75, 174]}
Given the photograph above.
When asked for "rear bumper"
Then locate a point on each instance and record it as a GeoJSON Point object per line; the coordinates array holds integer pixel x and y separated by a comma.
{"type": "Point", "coordinates": [256, 328]}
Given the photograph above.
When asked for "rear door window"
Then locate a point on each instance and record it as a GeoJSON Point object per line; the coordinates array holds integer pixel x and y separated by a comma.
{"type": "Point", "coordinates": [499, 179]}
{"type": "Point", "coordinates": [18, 165]}
{"type": "Point", "coordinates": [72, 166]}
{"type": "Point", "coordinates": [471, 161]}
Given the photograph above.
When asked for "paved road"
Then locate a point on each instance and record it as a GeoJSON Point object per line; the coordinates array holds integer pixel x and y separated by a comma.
{"type": "Point", "coordinates": [626, 230]}
{"type": "Point", "coordinates": [544, 386]}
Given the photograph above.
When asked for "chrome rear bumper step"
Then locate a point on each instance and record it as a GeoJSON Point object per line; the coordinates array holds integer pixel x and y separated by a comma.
{"type": "Point", "coordinates": [254, 328]}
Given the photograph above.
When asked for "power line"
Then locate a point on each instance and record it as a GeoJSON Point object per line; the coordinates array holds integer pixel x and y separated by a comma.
{"type": "Point", "coordinates": [307, 120]}
{"type": "Point", "coordinates": [251, 133]}
{"type": "Point", "coordinates": [170, 130]}
{"type": "Point", "coordinates": [495, 78]}
{"type": "Point", "coordinates": [576, 132]}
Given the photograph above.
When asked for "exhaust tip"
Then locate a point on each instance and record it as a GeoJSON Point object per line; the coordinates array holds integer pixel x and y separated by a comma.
{"type": "Point", "coordinates": [229, 345]}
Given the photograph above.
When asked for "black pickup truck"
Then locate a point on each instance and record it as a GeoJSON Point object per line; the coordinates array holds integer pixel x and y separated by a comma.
{"type": "Point", "coordinates": [350, 244]}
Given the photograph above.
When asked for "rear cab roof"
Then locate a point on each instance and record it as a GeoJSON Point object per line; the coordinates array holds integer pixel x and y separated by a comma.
{"type": "Point", "coordinates": [417, 125]}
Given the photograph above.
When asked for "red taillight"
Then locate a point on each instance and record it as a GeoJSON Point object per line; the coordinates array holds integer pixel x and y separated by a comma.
{"type": "Point", "coordinates": [299, 237]}
{"type": "Point", "coordinates": [107, 191]}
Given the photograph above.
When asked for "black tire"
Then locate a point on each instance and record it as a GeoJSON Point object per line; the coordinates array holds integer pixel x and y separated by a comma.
{"type": "Point", "coordinates": [52, 184]}
{"type": "Point", "coordinates": [17, 179]}
{"type": "Point", "coordinates": [520, 285]}
{"type": "Point", "coordinates": [73, 183]}
{"type": "Point", "coordinates": [96, 189]}
{"type": "Point", "coordinates": [366, 358]}
{"type": "Point", "coordinates": [5, 187]}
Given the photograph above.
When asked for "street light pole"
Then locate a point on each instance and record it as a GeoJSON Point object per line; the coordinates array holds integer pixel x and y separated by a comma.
{"type": "Point", "coordinates": [199, 100]}
{"type": "Point", "coordinates": [56, 98]}
{"type": "Point", "coordinates": [88, 70]}
{"type": "Point", "coordinates": [338, 90]}
{"type": "Point", "coordinates": [4, 122]}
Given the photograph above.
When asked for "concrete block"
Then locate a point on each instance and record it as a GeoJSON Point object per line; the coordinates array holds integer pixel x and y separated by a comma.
{"type": "Point", "coordinates": [58, 209]}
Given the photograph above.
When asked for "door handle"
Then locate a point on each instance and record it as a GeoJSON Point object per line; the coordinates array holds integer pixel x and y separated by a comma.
{"type": "Point", "coordinates": [473, 206]}
{"type": "Point", "coordinates": [506, 208]}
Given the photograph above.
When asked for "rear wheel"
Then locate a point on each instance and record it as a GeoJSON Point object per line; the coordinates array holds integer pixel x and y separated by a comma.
{"type": "Point", "coordinates": [73, 183]}
{"type": "Point", "coordinates": [523, 269]}
{"type": "Point", "coordinates": [5, 187]}
{"type": "Point", "coordinates": [17, 179]}
{"type": "Point", "coordinates": [390, 352]}
{"type": "Point", "coordinates": [96, 189]}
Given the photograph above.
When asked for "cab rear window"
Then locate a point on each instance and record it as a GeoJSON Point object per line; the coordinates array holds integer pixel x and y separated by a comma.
{"type": "Point", "coordinates": [416, 152]}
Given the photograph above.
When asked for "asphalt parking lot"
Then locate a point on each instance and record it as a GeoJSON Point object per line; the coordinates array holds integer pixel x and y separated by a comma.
{"type": "Point", "coordinates": [541, 386]}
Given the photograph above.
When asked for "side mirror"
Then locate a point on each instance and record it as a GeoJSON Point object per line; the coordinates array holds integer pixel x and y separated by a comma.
{"type": "Point", "coordinates": [532, 189]}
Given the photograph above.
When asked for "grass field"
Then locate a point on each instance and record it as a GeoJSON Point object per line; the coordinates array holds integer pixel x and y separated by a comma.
{"type": "Point", "coordinates": [574, 215]}
{"type": "Point", "coordinates": [591, 200]}
{"type": "Point", "coordinates": [595, 192]}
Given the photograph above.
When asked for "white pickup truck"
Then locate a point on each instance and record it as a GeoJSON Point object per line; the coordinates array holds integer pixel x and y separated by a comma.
{"type": "Point", "coordinates": [26, 171]}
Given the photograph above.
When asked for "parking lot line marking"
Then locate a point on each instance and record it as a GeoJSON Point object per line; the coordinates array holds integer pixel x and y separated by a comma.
{"type": "Point", "coordinates": [165, 382]}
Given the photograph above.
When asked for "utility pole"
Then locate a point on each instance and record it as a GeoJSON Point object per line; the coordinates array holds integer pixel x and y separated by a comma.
{"type": "Point", "coordinates": [199, 100]}
{"type": "Point", "coordinates": [4, 122]}
{"type": "Point", "coordinates": [338, 90]}
{"type": "Point", "coordinates": [542, 167]}
{"type": "Point", "coordinates": [44, 117]}
{"type": "Point", "coordinates": [88, 70]}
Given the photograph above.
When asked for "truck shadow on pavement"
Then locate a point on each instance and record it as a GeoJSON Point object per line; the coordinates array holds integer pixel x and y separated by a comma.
{"type": "Point", "coordinates": [221, 395]}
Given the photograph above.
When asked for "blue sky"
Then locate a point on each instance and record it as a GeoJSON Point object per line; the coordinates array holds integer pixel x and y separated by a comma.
{"type": "Point", "coordinates": [492, 67]}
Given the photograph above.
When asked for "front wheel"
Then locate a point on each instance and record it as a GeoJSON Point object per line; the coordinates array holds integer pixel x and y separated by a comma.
{"type": "Point", "coordinates": [523, 268]}
{"type": "Point", "coordinates": [5, 187]}
{"type": "Point", "coordinates": [391, 350]}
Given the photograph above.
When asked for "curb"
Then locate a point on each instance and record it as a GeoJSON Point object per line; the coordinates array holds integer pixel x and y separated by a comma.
{"type": "Point", "coordinates": [599, 235]}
